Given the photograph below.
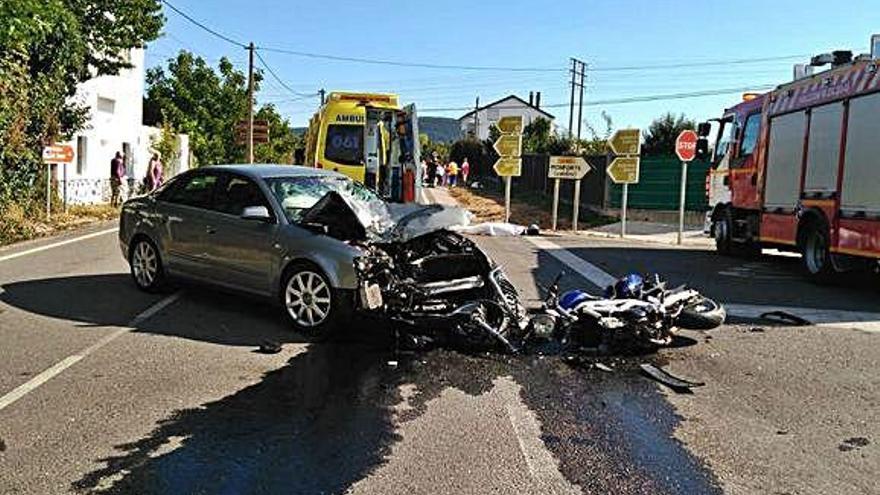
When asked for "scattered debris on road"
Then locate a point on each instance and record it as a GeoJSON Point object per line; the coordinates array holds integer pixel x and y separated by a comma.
{"type": "Point", "coordinates": [786, 318]}
{"type": "Point", "coordinates": [675, 383]}
{"type": "Point", "coordinates": [270, 347]}
{"type": "Point", "coordinates": [604, 367]}
{"type": "Point", "coordinates": [853, 444]}
{"type": "Point", "coordinates": [757, 329]}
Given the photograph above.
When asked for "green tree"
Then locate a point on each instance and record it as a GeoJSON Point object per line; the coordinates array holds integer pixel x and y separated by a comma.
{"type": "Point", "coordinates": [204, 103]}
{"type": "Point", "coordinates": [47, 47]}
{"type": "Point", "coordinates": [282, 140]}
{"type": "Point", "coordinates": [597, 144]}
{"type": "Point", "coordinates": [166, 144]}
{"type": "Point", "coordinates": [659, 138]}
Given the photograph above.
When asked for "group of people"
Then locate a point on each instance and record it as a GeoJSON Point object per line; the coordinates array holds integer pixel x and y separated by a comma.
{"type": "Point", "coordinates": [436, 174]}
{"type": "Point", "coordinates": [118, 171]}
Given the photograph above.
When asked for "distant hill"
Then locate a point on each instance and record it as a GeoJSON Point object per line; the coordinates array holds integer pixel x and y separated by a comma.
{"type": "Point", "coordinates": [440, 129]}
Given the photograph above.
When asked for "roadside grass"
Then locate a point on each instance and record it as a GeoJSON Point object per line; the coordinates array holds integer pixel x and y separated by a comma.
{"type": "Point", "coordinates": [525, 208]}
{"type": "Point", "coordinates": [23, 222]}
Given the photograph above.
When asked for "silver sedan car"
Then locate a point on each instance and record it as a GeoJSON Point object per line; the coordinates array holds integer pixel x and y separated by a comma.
{"type": "Point", "coordinates": [240, 227]}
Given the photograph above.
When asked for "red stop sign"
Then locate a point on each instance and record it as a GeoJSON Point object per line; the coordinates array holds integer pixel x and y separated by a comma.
{"type": "Point", "coordinates": [686, 145]}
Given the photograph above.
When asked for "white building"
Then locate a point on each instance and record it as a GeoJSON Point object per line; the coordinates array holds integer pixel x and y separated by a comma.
{"type": "Point", "coordinates": [485, 116]}
{"type": "Point", "coordinates": [115, 124]}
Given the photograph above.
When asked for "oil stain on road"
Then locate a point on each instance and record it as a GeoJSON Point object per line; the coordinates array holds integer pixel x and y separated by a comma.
{"type": "Point", "coordinates": [326, 420]}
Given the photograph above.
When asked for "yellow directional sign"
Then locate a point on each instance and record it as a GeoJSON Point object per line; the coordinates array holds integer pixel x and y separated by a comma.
{"type": "Point", "coordinates": [512, 124]}
{"type": "Point", "coordinates": [567, 167]}
{"type": "Point", "coordinates": [508, 167]}
{"type": "Point", "coordinates": [626, 142]}
{"type": "Point", "coordinates": [508, 145]}
{"type": "Point", "coordinates": [624, 170]}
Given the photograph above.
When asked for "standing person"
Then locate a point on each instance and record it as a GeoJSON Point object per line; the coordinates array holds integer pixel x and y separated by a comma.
{"type": "Point", "coordinates": [453, 173]}
{"type": "Point", "coordinates": [439, 171]}
{"type": "Point", "coordinates": [465, 171]}
{"type": "Point", "coordinates": [155, 176]}
{"type": "Point", "coordinates": [117, 173]}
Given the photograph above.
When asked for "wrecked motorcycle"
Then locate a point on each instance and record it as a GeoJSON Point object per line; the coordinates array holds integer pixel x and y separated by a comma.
{"type": "Point", "coordinates": [634, 313]}
{"type": "Point", "coordinates": [442, 289]}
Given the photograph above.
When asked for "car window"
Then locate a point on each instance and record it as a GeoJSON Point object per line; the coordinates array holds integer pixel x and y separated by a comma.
{"type": "Point", "coordinates": [235, 193]}
{"type": "Point", "coordinates": [750, 134]}
{"type": "Point", "coordinates": [297, 194]}
{"type": "Point", "coordinates": [345, 144]}
{"type": "Point", "coordinates": [194, 191]}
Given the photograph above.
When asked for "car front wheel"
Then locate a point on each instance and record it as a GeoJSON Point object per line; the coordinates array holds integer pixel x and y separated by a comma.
{"type": "Point", "coordinates": [310, 303]}
{"type": "Point", "coordinates": [146, 266]}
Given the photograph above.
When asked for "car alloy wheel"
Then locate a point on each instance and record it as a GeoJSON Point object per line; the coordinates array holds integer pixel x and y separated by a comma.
{"type": "Point", "coordinates": [307, 298]}
{"type": "Point", "coordinates": [145, 264]}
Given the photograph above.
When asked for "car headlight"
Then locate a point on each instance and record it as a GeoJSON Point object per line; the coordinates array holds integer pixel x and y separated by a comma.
{"type": "Point", "coordinates": [543, 325]}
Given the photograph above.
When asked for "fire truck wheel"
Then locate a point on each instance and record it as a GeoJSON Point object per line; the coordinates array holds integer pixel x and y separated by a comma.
{"type": "Point", "coordinates": [722, 229]}
{"type": "Point", "coordinates": [816, 254]}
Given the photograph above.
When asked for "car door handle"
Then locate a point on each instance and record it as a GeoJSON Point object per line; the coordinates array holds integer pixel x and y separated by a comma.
{"type": "Point", "coordinates": [210, 230]}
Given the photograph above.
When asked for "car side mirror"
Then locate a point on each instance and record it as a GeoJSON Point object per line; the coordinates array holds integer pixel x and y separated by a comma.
{"type": "Point", "coordinates": [258, 213]}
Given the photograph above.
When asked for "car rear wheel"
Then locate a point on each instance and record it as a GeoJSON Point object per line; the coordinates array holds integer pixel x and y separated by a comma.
{"type": "Point", "coordinates": [310, 303]}
{"type": "Point", "coordinates": [146, 266]}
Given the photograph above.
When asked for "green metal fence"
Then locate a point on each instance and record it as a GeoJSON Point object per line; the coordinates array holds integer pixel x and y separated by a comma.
{"type": "Point", "coordinates": [659, 186]}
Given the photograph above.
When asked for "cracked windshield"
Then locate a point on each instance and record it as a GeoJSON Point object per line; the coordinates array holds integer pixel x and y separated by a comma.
{"type": "Point", "coordinates": [481, 248]}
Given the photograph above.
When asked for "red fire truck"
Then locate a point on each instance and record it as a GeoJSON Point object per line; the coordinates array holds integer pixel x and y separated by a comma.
{"type": "Point", "coordinates": [798, 168]}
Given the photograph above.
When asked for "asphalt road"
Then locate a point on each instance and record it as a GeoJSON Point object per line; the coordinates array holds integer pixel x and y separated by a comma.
{"type": "Point", "coordinates": [166, 394]}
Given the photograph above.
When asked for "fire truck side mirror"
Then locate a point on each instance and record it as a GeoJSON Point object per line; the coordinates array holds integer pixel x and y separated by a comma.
{"type": "Point", "coordinates": [703, 129]}
{"type": "Point", "coordinates": [702, 148]}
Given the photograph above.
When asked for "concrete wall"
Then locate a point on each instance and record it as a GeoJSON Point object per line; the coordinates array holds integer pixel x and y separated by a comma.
{"type": "Point", "coordinates": [115, 123]}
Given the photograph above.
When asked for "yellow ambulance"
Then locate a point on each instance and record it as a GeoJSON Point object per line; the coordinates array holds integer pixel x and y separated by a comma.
{"type": "Point", "coordinates": [370, 138]}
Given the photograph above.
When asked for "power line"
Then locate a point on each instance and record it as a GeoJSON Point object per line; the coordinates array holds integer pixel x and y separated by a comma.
{"type": "Point", "coordinates": [204, 27]}
{"type": "Point", "coordinates": [396, 63]}
{"type": "Point", "coordinates": [681, 65]}
{"type": "Point", "coordinates": [282, 83]}
{"type": "Point", "coordinates": [632, 99]}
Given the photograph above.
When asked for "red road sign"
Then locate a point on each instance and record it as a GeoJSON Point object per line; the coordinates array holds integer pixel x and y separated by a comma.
{"type": "Point", "coordinates": [58, 153]}
{"type": "Point", "coordinates": [686, 145]}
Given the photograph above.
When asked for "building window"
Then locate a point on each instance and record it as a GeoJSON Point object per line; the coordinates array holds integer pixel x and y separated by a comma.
{"type": "Point", "coordinates": [106, 105]}
{"type": "Point", "coordinates": [81, 157]}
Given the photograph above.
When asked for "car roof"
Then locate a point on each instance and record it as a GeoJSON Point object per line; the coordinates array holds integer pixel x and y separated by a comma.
{"type": "Point", "coordinates": [267, 170]}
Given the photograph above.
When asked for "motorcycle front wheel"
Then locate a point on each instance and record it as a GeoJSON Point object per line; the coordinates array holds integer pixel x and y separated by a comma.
{"type": "Point", "coordinates": [705, 314]}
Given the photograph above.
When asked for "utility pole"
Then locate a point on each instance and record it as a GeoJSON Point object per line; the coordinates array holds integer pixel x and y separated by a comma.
{"type": "Point", "coordinates": [571, 105]}
{"type": "Point", "coordinates": [322, 93]}
{"type": "Point", "coordinates": [250, 96]}
{"type": "Point", "coordinates": [581, 99]}
{"type": "Point", "coordinates": [477, 119]}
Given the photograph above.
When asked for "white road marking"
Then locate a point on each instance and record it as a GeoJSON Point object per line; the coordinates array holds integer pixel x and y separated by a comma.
{"type": "Point", "coordinates": [57, 368]}
{"type": "Point", "coordinates": [597, 276]}
{"type": "Point", "coordinates": [56, 244]}
{"type": "Point", "coordinates": [542, 466]}
{"type": "Point", "coordinates": [857, 320]}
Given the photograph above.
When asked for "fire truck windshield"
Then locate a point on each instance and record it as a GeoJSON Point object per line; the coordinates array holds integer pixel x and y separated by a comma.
{"type": "Point", "coordinates": [726, 137]}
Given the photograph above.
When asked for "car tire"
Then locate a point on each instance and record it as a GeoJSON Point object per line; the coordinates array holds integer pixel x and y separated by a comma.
{"type": "Point", "coordinates": [816, 253]}
{"type": "Point", "coordinates": [145, 265]}
{"type": "Point", "coordinates": [310, 303]}
{"type": "Point", "coordinates": [705, 314]}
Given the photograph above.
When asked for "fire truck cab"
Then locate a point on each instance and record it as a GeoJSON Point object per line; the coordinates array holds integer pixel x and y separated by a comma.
{"type": "Point", "coordinates": [798, 168]}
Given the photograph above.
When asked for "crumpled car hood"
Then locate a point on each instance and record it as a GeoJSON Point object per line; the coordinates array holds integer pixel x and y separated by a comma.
{"type": "Point", "coordinates": [349, 218]}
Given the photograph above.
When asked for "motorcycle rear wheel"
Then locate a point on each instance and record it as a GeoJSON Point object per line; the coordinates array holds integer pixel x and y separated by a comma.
{"type": "Point", "coordinates": [705, 314]}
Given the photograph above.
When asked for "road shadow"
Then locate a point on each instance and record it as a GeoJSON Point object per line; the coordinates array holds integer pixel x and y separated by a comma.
{"type": "Point", "coordinates": [316, 425]}
{"type": "Point", "coordinates": [203, 313]}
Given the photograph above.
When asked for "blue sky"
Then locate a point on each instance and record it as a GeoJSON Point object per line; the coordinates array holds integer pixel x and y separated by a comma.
{"type": "Point", "coordinates": [528, 34]}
